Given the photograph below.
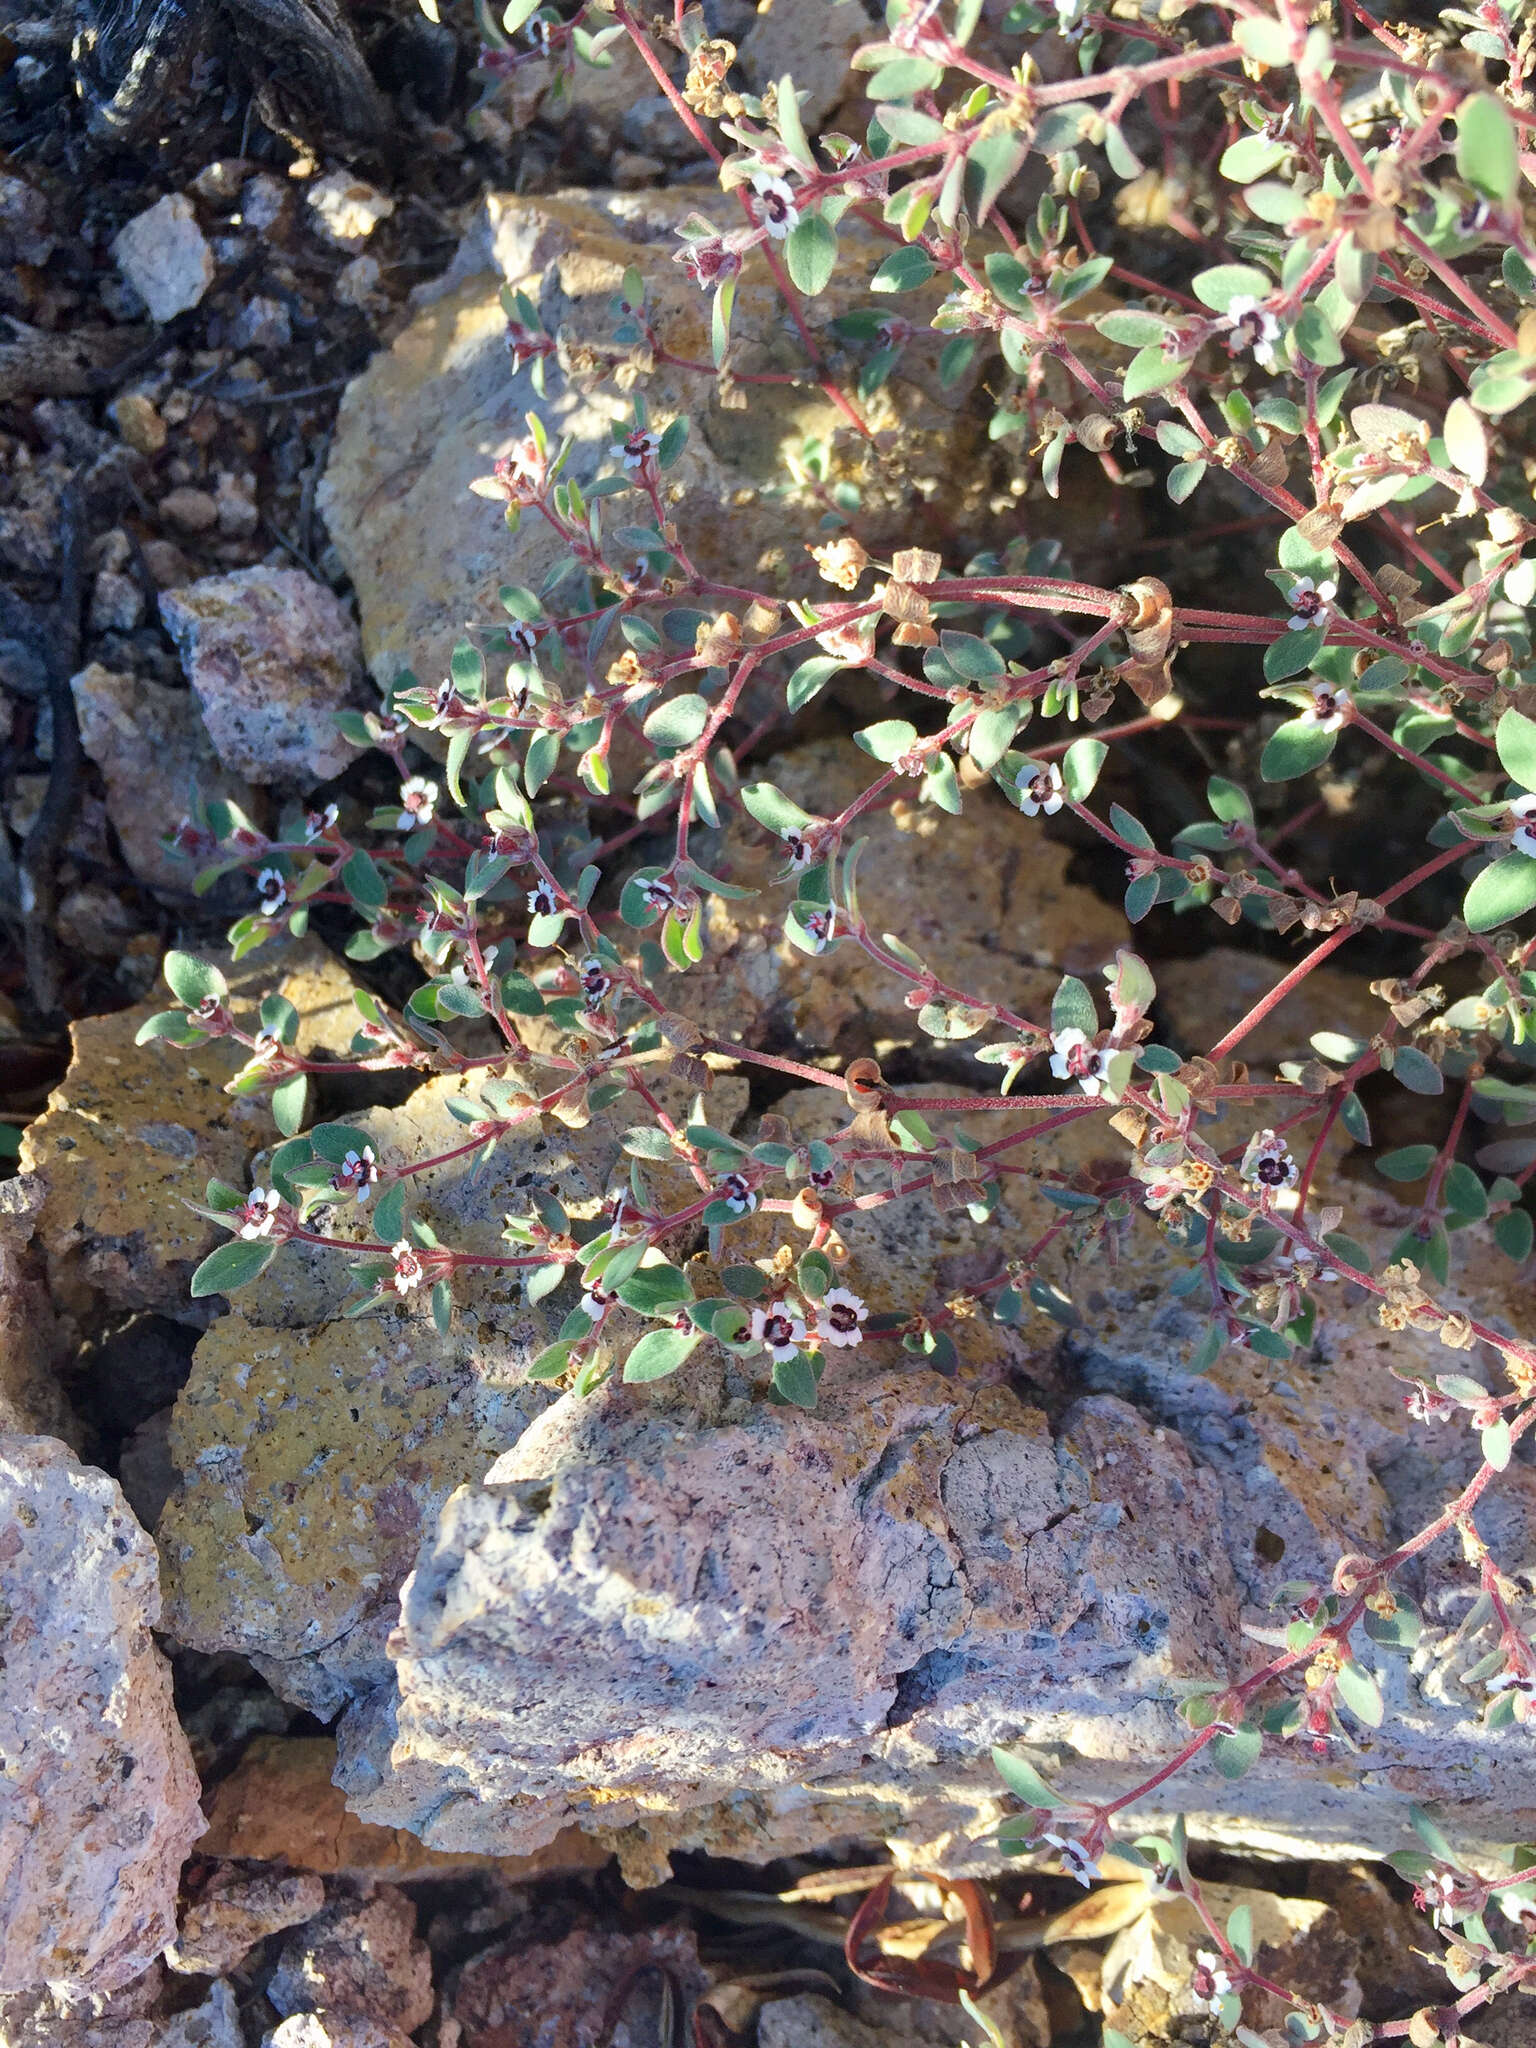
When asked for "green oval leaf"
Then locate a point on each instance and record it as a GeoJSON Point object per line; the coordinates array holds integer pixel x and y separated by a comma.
{"type": "Point", "coordinates": [1294, 748]}
{"type": "Point", "coordinates": [810, 254]}
{"type": "Point", "coordinates": [232, 1265]}
{"type": "Point", "coordinates": [1503, 891]}
{"type": "Point", "coordinates": [660, 1352]}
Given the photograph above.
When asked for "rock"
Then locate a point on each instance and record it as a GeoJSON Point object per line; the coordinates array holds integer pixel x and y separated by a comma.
{"type": "Point", "coordinates": [117, 603]}
{"type": "Point", "coordinates": [263, 201]}
{"type": "Point", "coordinates": [56, 2016]}
{"type": "Point", "coordinates": [133, 1132]}
{"type": "Point", "coordinates": [311, 1464]}
{"type": "Point", "coordinates": [425, 554]}
{"type": "Point", "coordinates": [1203, 998]}
{"type": "Point", "coordinates": [235, 1909]}
{"type": "Point", "coordinates": [272, 655]}
{"type": "Point", "coordinates": [278, 1805]}
{"type": "Point", "coordinates": [32, 1347]}
{"type": "Point", "coordinates": [235, 497]}
{"type": "Point", "coordinates": [814, 42]}
{"type": "Point", "coordinates": [297, 1518]}
{"type": "Point", "coordinates": [192, 510]}
{"type": "Point", "coordinates": [1015, 2008]}
{"type": "Point", "coordinates": [213, 2024]}
{"type": "Point", "coordinates": [346, 209]}
{"type": "Point", "coordinates": [139, 423]}
{"type": "Point", "coordinates": [361, 1958]}
{"type": "Point", "coordinates": [99, 1800]}
{"type": "Point", "coordinates": [94, 921]}
{"type": "Point", "coordinates": [261, 323]}
{"type": "Point", "coordinates": [163, 254]}
{"type": "Point", "coordinates": [1148, 1968]}
{"type": "Point", "coordinates": [558, 1993]}
{"type": "Point", "coordinates": [597, 100]}
{"type": "Point", "coordinates": [166, 563]}
{"type": "Point", "coordinates": [983, 898]}
{"type": "Point", "coordinates": [156, 759]}
{"type": "Point", "coordinates": [980, 1563]}
{"type": "Point", "coordinates": [24, 223]}
{"type": "Point", "coordinates": [1394, 1967]}
{"type": "Point", "coordinates": [357, 284]}
{"type": "Point", "coordinates": [144, 1469]}
{"type": "Point", "coordinates": [333, 2030]}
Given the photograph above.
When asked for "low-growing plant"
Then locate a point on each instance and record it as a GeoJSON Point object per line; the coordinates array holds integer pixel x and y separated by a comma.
{"type": "Point", "coordinates": [1340, 323]}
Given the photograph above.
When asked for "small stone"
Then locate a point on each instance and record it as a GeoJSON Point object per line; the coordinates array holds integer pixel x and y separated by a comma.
{"type": "Point", "coordinates": [144, 1469]}
{"type": "Point", "coordinates": [347, 209]}
{"type": "Point", "coordinates": [334, 2030]}
{"type": "Point", "coordinates": [213, 2024]}
{"type": "Point", "coordinates": [261, 323]}
{"type": "Point", "coordinates": [57, 2017]}
{"type": "Point", "coordinates": [153, 751]}
{"type": "Point", "coordinates": [235, 497]}
{"type": "Point", "coordinates": [164, 255]}
{"type": "Point", "coordinates": [95, 921]}
{"type": "Point", "coordinates": [117, 603]}
{"type": "Point", "coordinates": [98, 1806]}
{"type": "Point", "coordinates": [652, 127]}
{"type": "Point", "coordinates": [24, 236]}
{"type": "Point", "coordinates": [631, 170]}
{"type": "Point", "coordinates": [166, 564]}
{"type": "Point", "coordinates": [220, 181]}
{"type": "Point", "coordinates": [357, 284]}
{"type": "Point", "coordinates": [262, 201]}
{"type": "Point", "coordinates": [360, 1957]}
{"type": "Point", "coordinates": [194, 511]}
{"type": "Point", "coordinates": [272, 655]}
{"type": "Point", "coordinates": [137, 420]}
{"type": "Point", "coordinates": [235, 1909]}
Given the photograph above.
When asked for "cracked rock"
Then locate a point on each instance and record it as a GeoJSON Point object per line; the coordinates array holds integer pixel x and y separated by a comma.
{"type": "Point", "coordinates": [359, 1958]}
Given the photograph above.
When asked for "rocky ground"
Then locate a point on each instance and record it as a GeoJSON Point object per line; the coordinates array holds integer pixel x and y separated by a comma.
{"type": "Point", "coordinates": [272, 1807]}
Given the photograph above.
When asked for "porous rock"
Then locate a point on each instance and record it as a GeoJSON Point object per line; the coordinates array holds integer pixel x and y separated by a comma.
{"type": "Point", "coordinates": [279, 1805]}
{"type": "Point", "coordinates": [273, 655]}
{"type": "Point", "coordinates": [156, 759]}
{"type": "Point", "coordinates": [233, 1909]}
{"type": "Point", "coordinates": [32, 1347]}
{"type": "Point", "coordinates": [1203, 998]}
{"type": "Point", "coordinates": [561, 1993]}
{"type": "Point", "coordinates": [1147, 1986]}
{"type": "Point", "coordinates": [443, 403]}
{"type": "Point", "coordinates": [334, 2030]}
{"type": "Point", "coordinates": [99, 1801]}
{"type": "Point", "coordinates": [134, 1132]}
{"type": "Point", "coordinates": [360, 1957]}
{"type": "Point", "coordinates": [165, 256]}
{"type": "Point", "coordinates": [56, 2016]}
{"type": "Point", "coordinates": [982, 898]}
{"type": "Point", "coordinates": [315, 1449]}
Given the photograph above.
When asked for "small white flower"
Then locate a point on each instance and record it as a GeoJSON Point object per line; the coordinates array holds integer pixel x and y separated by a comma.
{"type": "Point", "coordinates": [1267, 1162]}
{"type": "Point", "coordinates": [542, 900]}
{"type": "Point", "coordinates": [637, 449]}
{"type": "Point", "coordinates": [418, 802]}
{"type": "Point", "coordinates": [838, 1316]}
{"type": "Point", "coordinates": [274, 891]}
{"type": "Point", "coordinates": [595, 1303]}
{"type": "Point", "coordinates": [596, 981]}
{"type": "Point", "coordinates": [1251, 327]}
{"type": "Point", "coordinates": [1211, 1981]}
{"type": "Point", "coordinates": [266, 1046]}
{"type": "Point", "coordinates": [1075, 1860]}
{"type": "Point", "coordinates": [818, 922]}
{"type": "Point", "coordinates": [357, 1172]}
{"type": "Point", "coordinates": [260, 1212]}
{"type": "Point", "coordinates": [658, 893]}
{"type": "Point", "coordinates": [802, 851]}
{"type": "Point", "coordinates": [318, 822]}
{"type": "Point", "coordinates": [1040, 789]}
{"type": "Point", "coordinates": [524, 639]}
{"type": "Point", "coordinates": [1512, 1680]}
{"type": "Point", "coordinates": [409, 1271]}
{"type": "Point", "coordinates": [738, 1194]}
{"type": "Point", "coordinates": [1075, 1057]}
{"type": "Point", "coordinates": [1308, 601]}
{"type": "Point", "coordinates": [1524, 841]}
{"type": "Point", "coordinates": [1329, 708]}
{"type": "Point", "coordinates": [781, 1332]}
{"type": "Point", "coordinates": [776, 208]}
